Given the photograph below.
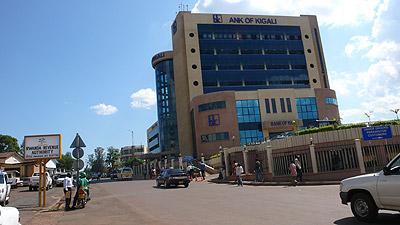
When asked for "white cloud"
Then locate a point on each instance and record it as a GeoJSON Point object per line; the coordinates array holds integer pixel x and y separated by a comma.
{"type": "Point", "coordinates": [329, 13]}
{"type": "Point", "coordinates": [144, 98]}
{"type": "Point", "coordinates": [103, 109]}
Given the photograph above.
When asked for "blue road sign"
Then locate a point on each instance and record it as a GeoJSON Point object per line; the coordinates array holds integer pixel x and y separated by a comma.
{"type": "Point", "coordinates": [376, 133]}
{"type": "Point", "coordinates": [187, 158]}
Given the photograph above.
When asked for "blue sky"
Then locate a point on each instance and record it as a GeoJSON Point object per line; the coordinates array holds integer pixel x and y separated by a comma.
{"type": "Point", "coordinates": [84, 66]}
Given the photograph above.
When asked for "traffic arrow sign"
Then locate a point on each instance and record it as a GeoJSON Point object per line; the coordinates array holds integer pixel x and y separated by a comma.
{"type": "Point", "coordinates": [78, 142]}
{"type": "Point", "coordinates": [77, 153]}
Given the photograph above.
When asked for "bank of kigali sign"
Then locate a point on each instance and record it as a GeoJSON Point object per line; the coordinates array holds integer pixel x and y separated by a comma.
{"type": "Point", "coordinates": [217, 18]}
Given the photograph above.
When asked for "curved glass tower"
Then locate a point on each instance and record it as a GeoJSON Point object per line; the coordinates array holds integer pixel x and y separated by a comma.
{"type": "Point", "coordinates": [166, 105]}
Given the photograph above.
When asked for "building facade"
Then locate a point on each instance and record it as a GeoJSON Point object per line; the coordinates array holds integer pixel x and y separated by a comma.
{"type": "Point", "coordinates": [135, 151]}
{"type": "Point", "coordinates": [242, 79]}
{"type": "Point", "coordinates": [153, 138]}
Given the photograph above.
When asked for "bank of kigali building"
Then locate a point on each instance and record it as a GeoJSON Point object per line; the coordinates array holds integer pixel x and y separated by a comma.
{"type": "Point", "coordinates": [232, 80]}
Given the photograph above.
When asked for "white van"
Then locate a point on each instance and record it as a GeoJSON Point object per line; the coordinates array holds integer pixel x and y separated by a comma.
{"type": "Point", "coordinates": [5, 188]}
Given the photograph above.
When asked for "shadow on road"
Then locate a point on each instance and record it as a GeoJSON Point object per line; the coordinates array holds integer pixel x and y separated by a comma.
{"type": "Point", "coordinates": [383, 219]}
{"type": "Point", "coordinates": [172, 187]}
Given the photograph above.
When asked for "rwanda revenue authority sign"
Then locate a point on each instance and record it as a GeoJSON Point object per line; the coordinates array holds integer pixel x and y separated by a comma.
{"type": "Point", "coordinates": [43, 146]}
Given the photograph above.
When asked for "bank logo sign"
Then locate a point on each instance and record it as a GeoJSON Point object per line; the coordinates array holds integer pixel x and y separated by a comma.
{"type": "Point", "coordinates": [42, 146]}
{"type": "Point", "coordinates": [217, 18]}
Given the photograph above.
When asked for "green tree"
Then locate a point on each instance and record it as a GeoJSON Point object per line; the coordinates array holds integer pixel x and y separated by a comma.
{"type": "Point", "coordinates": [66, 162]}
{"type": "Point", "coordinates": [8, 144]}
{"type": "Point", "coordinates": [97, 160]}
{"type": "Point", "coordinates": [113, 157]}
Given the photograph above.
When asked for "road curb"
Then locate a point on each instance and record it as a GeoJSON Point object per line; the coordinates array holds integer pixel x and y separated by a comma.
{"type": "Point", "coordinates": [252, 183]}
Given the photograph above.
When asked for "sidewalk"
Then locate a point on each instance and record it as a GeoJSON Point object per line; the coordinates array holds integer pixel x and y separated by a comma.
{"type": "Point", "coordinates": [270, 183]}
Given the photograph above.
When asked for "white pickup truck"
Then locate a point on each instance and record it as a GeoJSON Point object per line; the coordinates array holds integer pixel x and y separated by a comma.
{"type": "Point", "coordinates": [5, 188]}
{"type": "Point", "coordinates": [371, 192]}
{"type": "Point", "coordinates": [34, 182]}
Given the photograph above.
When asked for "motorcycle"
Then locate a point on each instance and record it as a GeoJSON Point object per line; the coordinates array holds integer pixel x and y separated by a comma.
{"type": "Point", "coordinates": [82, 198]}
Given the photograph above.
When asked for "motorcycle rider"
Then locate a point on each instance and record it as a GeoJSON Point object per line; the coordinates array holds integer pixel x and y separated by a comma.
{"type": "Point", "coordinates": [82, 183]}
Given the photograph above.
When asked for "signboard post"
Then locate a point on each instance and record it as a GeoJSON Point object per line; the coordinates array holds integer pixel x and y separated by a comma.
{"type": "Point", "coordinates": [42, 148]}
{"type": "Point", "coordinates": [77, 153]}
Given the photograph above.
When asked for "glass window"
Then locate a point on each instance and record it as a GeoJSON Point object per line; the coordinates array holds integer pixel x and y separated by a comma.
{"type": "Point", "coordinates": [273, 103]}
{"type": "Point", "coordinates": [212, 106]}
{"type": "Point", "coordinates": [306, 108]}
{"type": "Point", "coordinates": [249, 121]}
{"type": "Point", "coordinates": [331, 101]}
{"type": "Point", "coordinates": [289, 105]}
{"type": "Point", "coordinates": [267, 106]}
{"type": "Point", "coordinates": [283, 107]}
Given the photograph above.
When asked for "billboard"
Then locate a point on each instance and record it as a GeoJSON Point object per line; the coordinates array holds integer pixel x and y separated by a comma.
{"type": "Point", "coordinates": [43, 146]}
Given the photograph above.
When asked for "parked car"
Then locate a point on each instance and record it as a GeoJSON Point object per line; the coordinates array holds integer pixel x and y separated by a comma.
{"type": "Point", "coordinates": [5, 189]}
{"type": "Point", "coordinates": [371, 192]}
{"type": "Point", "coordinates": [125, 173]}
{"type": "Point", "coordinates": [9, 216]}
{"type": "Point", "coordinates": [174, 177]}
{"type": "Point", "coordinates": [59, 179]}
{"type": "Point", "coordinates": [14, 178]}
{"type": "Point", "coordinates": [34, 182]}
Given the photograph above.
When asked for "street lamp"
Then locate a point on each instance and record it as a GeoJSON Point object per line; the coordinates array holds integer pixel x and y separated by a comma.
{"type": "Point", "coordinates": [396, 111]}
{"type": "Point", "coordinates": [369, 114]}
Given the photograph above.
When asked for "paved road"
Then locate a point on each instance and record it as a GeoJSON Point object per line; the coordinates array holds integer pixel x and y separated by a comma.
{"type": "Point", "coordinates": [138, 202]}
{"type": "Point", "coordinates": [27, 201]}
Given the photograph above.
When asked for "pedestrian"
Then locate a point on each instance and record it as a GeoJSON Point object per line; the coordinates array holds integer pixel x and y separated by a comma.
{"type": "Point", "coordinates": [259, 171]}
{"type": "Point", "coordinates": [238, 172]}
{"type": "Point", "coordinates": [234, 168]}
{"type": "Point", "coordinates": [145, 173]}
{"type": "Point", "coordinates": [293, 172]}
{"type": "Point", "coordinates": [299, 170]}
{"type": "Point", "coordinates": [67, 184]}
{"type": "Point", "coordinates": [189, 171]}
{"type": "Point", "coordinates": [202, 168]}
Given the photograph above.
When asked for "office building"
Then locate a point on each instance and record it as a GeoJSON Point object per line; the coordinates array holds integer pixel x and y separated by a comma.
{"type": "Point", "coordinates": [232, 80]}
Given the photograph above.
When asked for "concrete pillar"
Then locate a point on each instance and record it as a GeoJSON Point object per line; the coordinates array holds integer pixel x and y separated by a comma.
{"type": "Point", "coordinates": [173, 163]}
{"type": "Point", "coordinates": [227, 169]}
{"type": "Point", "coordinates": [270, 160]}
{"type": "Point", "coordinates": [313, 158]}
{"type": "Point", "coordinates": [165, 163]}
{"type": "Point", "coordinates": [180, 162]}
{"type": "Point", "coordinates": [159, 164]}
{"type": "Point", "coordinates": [246, 162]}
{"type": "Point", "coordinates": [360, 155]}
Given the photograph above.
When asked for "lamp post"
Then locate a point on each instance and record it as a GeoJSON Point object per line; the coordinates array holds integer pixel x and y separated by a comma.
{"type": "Point", "coordinates": [369, 114]}
{"type": "Point", "coordinates": [396, 111]}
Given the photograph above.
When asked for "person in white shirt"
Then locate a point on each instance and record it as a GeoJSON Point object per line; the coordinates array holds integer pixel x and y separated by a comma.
{"type": "Point", "coordinates": [238, 172]}
{"type": "Point", "coordinates": [68, 190]}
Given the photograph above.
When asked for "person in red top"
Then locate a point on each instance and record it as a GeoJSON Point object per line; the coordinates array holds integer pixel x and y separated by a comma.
{"type": "Point", "coordinates": [293, 172]}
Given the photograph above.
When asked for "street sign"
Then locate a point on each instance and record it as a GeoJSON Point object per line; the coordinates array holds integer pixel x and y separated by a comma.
{"type": "Point", "coordinates": [77, 153]}
{"type": "Point", "coordinates": [187, 158]}
{"type": "Point", "coordinates": [78, 164]}
{"type": "Point", "coordinates": [78, 142]}
{"type": "Point", "coordinates": [376, 133]}
{"type": "Point", "coordinates": [42, 146]}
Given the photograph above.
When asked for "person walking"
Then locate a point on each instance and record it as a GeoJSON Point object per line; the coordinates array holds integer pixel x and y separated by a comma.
{"type": "Point", "coordinates": [202, 168]}
{"type": "Point", "coordinates": [293, 172]}
{"type": "Point", "coordinates": [259, 171]}
{"type": "Point", "coordinates": [238, 172]}
{"type": "Point", "coordinates": [299, 170]}
{"type": "Point", "coordinates": [67, 184]}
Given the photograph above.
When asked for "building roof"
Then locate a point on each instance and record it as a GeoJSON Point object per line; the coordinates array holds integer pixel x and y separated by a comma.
{"type": "Point", "coordinates": [6, 155]}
